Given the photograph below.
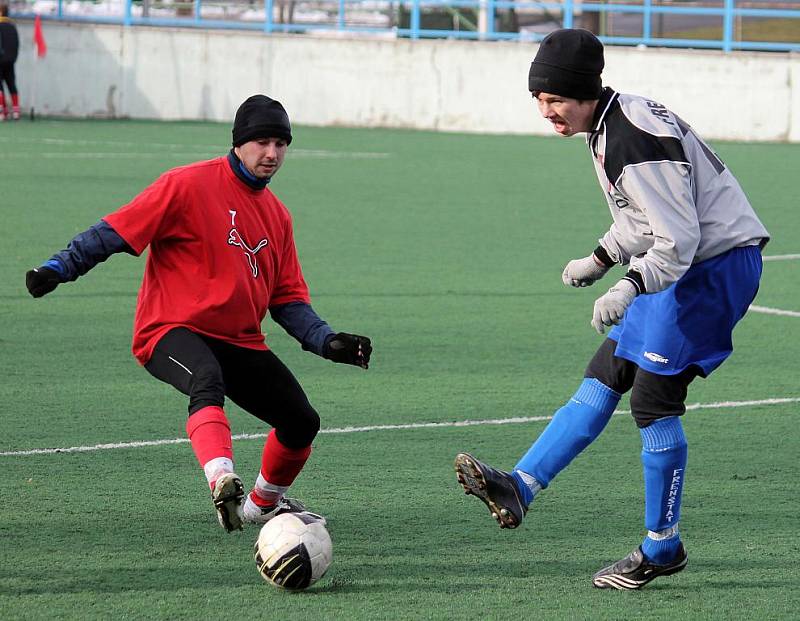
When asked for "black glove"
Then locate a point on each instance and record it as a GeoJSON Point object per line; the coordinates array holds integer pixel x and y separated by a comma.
{"type": "Point", "coordinates": [349, 349]}
{"type": "Point", "coordinates": [41, 281]}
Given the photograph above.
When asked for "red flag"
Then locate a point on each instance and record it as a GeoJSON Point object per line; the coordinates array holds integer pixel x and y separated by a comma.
{"type": "Point", "coordinates": [38, 38]}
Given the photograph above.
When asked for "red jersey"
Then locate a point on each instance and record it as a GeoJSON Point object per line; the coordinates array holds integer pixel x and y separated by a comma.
{"type": "Point", "coordinates": [221, 253]}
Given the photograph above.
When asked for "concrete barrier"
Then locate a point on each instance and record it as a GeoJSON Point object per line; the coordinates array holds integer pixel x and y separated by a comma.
{"type": "Point", "coordinates": [163, 73]}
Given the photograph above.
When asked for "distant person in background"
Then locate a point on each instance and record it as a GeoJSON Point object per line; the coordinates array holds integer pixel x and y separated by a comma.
{"type": "Point", "coordinates": [692, 244]}
{"type": "Point", "coordinates": [9, 48]}
{"type": "Point", "coordinates": [222, 254]}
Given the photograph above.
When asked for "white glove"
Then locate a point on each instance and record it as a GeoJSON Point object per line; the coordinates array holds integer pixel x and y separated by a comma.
{"type": "Point", "coordinates": [583, 272]}
{"type": "Point", "coordinates": [610, 308]}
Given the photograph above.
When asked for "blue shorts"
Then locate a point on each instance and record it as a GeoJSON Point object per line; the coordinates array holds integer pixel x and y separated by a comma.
{"type": "Point", "coordinates": [691, 322]}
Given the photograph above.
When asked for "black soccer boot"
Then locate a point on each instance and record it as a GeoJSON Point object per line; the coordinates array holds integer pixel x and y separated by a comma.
{"type": "Point", "coordinates": [634, 571]}
{"type": "Point", "coordinates": [497, 489]}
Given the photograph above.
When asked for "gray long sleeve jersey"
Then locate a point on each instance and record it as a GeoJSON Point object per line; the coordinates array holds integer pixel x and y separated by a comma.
{"type": "Point", "coordinates": [673, 201]}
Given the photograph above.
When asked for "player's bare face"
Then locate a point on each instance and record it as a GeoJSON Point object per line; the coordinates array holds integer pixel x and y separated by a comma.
{"type": "Point", "coordinates": [568, 116]}
{"type": "Point", "coordinates": [262, 157]}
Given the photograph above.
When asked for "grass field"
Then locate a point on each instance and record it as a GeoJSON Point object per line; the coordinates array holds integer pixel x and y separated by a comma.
{"type": "Point", "coordinates": [447, 250]}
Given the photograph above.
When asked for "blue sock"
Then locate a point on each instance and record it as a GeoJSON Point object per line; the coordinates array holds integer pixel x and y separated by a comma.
{"type": "Point", "coordinates": [527, 485]}
{"type": "Point", "coordinates": [572, 429]}
{"type": "Point", "coordinates": [664, 454]}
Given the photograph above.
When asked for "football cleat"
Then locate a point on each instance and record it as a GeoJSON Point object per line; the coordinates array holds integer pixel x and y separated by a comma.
{"type": "Point", "coordinates": [497, 489]}
{"type": "Point", "coordinates": [227, 496]}
{"type": "Point", "coordinates": [255, 514]}
{"type": "Point", "coordinates": [635, 570]}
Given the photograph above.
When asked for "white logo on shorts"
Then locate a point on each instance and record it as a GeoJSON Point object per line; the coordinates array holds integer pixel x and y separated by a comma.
{"type": "Point", "coordinates": [656, 357]}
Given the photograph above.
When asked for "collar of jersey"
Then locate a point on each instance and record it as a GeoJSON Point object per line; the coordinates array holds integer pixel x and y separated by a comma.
{"type": "Point", "coordinates": [252, 182]}
{"type": "Point", "coordinates": [607, 98]}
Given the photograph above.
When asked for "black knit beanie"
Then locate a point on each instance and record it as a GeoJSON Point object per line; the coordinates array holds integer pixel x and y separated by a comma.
{"type": "Point", "coordinates": [261, 117]}
{"type": "Point", "coordinates": [569, 63]}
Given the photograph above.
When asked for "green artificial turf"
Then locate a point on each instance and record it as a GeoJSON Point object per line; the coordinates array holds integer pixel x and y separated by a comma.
{"type": "Point", "coordinates": [447, 250]}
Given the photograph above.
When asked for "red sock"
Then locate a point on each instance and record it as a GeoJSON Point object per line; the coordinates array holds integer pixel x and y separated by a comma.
{"type": "Point", "coordinates": [280, 464]}
{"type": "Point", "coordinates": [15, 101]}
{"type": "Point", "coordinates": [2, 103]}
{"type": "Point", "coordinates": [210, 434]}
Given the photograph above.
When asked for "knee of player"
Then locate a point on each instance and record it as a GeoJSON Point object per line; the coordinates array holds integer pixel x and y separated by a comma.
{"type": "Point", "coordinates": [646, 411]}
{"type": "Point", "coordinates": [207, 378]}
{"type": "Point", "coordinates": [301, 428]}
{"type": "Point", "coordinates": [310, 422]}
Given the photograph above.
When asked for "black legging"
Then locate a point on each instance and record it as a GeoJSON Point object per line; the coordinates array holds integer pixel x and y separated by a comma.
{"type": "Point", "coordinates": [208, 370]}
{"type": "Point", "coordinates": [7, 76]}
{"type": "Point", "coordinates": [653, 396]}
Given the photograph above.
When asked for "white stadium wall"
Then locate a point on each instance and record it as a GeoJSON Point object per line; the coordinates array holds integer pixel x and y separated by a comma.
{"type": "Point", "coordinates": [161, 73]}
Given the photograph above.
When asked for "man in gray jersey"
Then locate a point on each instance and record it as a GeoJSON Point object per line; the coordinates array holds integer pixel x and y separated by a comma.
{"type": "Point", "coordinates": [692, 246]}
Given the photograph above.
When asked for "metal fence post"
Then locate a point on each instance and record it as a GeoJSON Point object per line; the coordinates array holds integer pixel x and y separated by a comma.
{"type": "Point", "coordinates": [128, 12]}
{"type": "Point", "coordinates": [567, 9]}
{"type": "Point", "coordinates": [340, 21]}
{"type": "Point", "coordinates": [727, 26]}
{"type": "Point", "coordinates": [647, 28]}
{"type": "Point", "coordinates": [415, 19]}
{"type": "Point", "coordinates": [198, 10]}
{"type": "Point", "coordinates": [268, 16]}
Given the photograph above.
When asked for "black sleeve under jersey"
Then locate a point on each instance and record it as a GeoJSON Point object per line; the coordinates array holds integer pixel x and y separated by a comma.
{"type": "Point", "coordinates": [302, 322]}
{"type": "Point", "coordinates": [86, 250]}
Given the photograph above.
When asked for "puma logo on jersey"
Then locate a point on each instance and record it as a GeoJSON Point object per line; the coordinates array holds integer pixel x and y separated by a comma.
{"type": "Point", "coordinates": [235, 239]}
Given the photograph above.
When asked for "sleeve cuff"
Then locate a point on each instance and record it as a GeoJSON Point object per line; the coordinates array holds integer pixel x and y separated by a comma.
{"type": "Point", "coordinates": [637, 280]}
{"type": "Point", "coordinates": [603, 257]}
{"type": "Point", "coordinates": [57, 267]}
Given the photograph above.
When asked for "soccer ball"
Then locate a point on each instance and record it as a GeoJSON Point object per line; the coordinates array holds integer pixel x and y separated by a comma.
{"type": "Point", "coordinates": [293, 550]}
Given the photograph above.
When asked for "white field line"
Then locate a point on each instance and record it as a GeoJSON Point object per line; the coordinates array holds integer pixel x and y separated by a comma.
{"type": "Point", "coordinates": [130, 155]}
{"type": "Point", "coordinates": [164, 149]}
{"type": "Point", "coordinates": [339, 430]}
{"type": "Point", "coordinates": [781, 257]}
{"type": "Point", "coordinates": [773, 311]}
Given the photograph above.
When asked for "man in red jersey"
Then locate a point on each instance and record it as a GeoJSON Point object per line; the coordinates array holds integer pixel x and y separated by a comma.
{"type": "Point", "coordinates": [222, 254]}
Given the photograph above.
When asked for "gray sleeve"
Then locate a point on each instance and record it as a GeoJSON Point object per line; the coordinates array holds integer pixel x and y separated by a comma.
{"type": "Point", "coordinates": [663, 192]}
{"type": "Point", "coordinates": [621, 245]}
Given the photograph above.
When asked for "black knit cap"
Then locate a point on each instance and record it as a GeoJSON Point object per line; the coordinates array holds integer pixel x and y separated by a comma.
{"type": "Point", "coordinates": [569, 63]}
{"type": "Point", "coordinates": [261, 117]}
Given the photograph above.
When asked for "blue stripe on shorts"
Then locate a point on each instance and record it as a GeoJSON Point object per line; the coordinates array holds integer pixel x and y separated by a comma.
{"type": "Point", "coordinates": [691, 322]}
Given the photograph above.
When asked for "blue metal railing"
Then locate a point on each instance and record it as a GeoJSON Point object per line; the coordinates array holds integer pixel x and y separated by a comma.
{"type": "Point", "coordinates": [563, 13]}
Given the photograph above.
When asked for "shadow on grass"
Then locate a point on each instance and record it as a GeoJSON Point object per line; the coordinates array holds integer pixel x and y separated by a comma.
{"type": "Point", "coordinates": [133, 293]}
{"type": "Point", "coordinates": [422, 577]}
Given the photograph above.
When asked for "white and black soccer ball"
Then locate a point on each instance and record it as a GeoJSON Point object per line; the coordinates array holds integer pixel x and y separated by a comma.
{"type": "Point", "coordinates": [293, 550]}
